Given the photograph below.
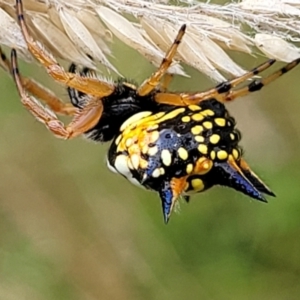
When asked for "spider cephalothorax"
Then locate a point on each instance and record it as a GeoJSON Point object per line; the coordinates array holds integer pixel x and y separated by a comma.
{"type": "Point", "coordinates": [173, 143]}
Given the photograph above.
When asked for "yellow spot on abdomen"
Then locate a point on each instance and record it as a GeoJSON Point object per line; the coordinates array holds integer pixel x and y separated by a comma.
{"type": "Point", "coordinates": [171, 115]}
{"type": "Point", "coordinates": [197, 129]}
{"type": "Point", "coordinates": [235, 153]}
{"type": "Point", "coordinates": [153, 136]}
{"type": "Point", "coordinates": [183, 154]}
{"type": "Point", "coordinates": [134, 119]}
{"type": "Point", "coordinates": [156, 173]}
{"type": "Point", "coordinates": [189, 168]}
{"type": "Point", "coordinates": [166, 157]}
{"type": "Point", "coordinates": [197, 184]}
{"type": "Point", "coordinates": [194, 107]}
{"type": "Point", "coordinates": [199, 138]}
{"type": "Point", "coordinates": [213, 154]}
{"type": "Point", "coordinates": [129, 142]}
{"type": "Point", "coordinates": [186, 119]}
{"type": "Point", "coordinates": [222, 154]}
{"type": "Point", "coordinates": [214, 139]}
{"type": "Point", "coordinates": [202, 148]}
{"type": "Point", "coordinates": [207, 112]}
{"type": "Point", "coordinates": [118, 139]}
{"type": "Point", "coordinates": [208, 125]}
{"type": "Point", "coordinates": [220, 122]}
{"type": "Point", "coordinates": [152, 150]}
{"type": "Point", "coordinates": [197, 117]}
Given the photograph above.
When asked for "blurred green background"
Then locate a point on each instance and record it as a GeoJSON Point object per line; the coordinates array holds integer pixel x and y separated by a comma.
{"type": "Point", "coordinates": [70, 229]}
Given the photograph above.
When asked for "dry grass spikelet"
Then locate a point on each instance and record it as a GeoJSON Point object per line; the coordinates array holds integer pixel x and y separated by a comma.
{"type": "Point", "coordinates": [78, 29]}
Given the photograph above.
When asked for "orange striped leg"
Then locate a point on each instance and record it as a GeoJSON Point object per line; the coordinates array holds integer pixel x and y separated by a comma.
{"type": "Point", "coordinates": [39, 91]}
{"type": "Point", "coordinates": [151, 83]}
{"type": "Point", "coordinates": [83, 121]}
{"type": "Point", "coordinates": [88, 85]}
{"type": "Point", "coordinates": [223, 92]}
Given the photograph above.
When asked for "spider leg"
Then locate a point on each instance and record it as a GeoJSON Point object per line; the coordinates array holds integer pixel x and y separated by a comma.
{"type": "Point", "coordinates": [41, 92]}
{"type": "Point", "coordinates": [258, 84]}
{"type": "Point", "coordinates": [89, 85]}
{"type": "Point", "coordinates": [223, 92]}
{"type": "Point", "coordinates": [151, 83]}
{"type": "Point", "coordinates": [166, 82]}
{"type": "Point", "coordinates": [84, 120]}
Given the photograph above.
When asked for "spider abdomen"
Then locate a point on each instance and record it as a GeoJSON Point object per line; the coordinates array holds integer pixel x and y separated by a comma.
{"type": "Point", "coordinates": [174, 151]}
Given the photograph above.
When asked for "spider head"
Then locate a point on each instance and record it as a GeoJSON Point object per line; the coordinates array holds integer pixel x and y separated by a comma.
{"type": "Point", "coordinates": [117, 107]}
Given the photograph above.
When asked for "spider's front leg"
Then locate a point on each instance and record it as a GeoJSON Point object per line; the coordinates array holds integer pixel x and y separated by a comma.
{"type": "Point", "coordinates": [88, 85]}
{"type": "Point", "coordinates": [83, 121]}
{"type": "Point", "coordinates": [151, 83]}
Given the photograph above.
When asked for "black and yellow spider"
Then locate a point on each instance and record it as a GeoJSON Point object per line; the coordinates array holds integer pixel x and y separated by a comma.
{"type": "Point", "coordinates": [173, 143]}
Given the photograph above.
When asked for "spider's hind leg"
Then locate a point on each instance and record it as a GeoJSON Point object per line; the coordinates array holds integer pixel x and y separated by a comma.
{"type": "Point", "coordinates": [258, 84]}
{"type": "Point", "coordinates": [224, 91]}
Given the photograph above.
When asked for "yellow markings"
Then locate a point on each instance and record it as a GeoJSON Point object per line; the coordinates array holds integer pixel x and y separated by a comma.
{"type": "Point", "coordinates": [129, 142]}
{"type": "Point", "coordinates": [197, 129]}
{"type": "Point", "coordinates": [222, 154]}
{"type": "Point", "coordinates": [145, 149]}
{"type": "Point", "coordinates": [143, 164]}
{"type": "Point", "coordinates": [166, 157]}
{"type": "Point", "coordinates": [202, 148]}
{"type": "Point", "coordinates": [134, 119]}
{"type": "Point", "coordinates": [118, 139]}
{"type": "Point", "coordinates": [214, 139]}
{"type": "Point", "coordinates": [152, 150]}
{"type": "Point", "coordinates": [134, 149]}
{"type": "Point", "coordinates": [189, 168]}
{"type": "Point", "coordinates": [197, 117]}
{"type": "Point", "coordinates": [194, 107]}
{"type": "Point", "coordinates": [220, 122]}
{"type": "Point", "coordinates": [197, 184]}
{"type": "Point", "coordinates": [232, 136]}
{"type": "Point", "coordinates": [152, 127]}
{"type": "Point", "coordinates": [213, 154]}
{"type": "Point", "coordinates": [235, 153]}
{"type": "Point", "coordinates": [208, 125]}
{"type": "Point", "coordinates": [156, 173]}
{"type": "Point", "coordinates": [162, 171]}
{"type": "Point", "coordinates": [153, 136]}
{"type": "Point", "coordinates": [183, 154]}
{"type": "Point", "coordinates": [199, 138]}
{"type": "Point", "coordinates": [207, 112]}
{"type": "Point", "coordinates": [171, 115]}
{"type": "Point", "coordinates": [186, 119]}
{"type": "Point", "coordinates": [135, 160]}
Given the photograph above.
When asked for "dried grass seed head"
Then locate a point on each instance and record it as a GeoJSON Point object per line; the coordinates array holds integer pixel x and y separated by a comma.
{"type": "Point", "coordinates": [86, 28]}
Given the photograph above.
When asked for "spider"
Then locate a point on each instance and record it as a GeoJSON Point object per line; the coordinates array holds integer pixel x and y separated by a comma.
{"type": "Point", "coordinates": [175, 144]}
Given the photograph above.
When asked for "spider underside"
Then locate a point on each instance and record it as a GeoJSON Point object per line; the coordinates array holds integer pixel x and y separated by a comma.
{"type": "Point", "coordinates": [176, 144]}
